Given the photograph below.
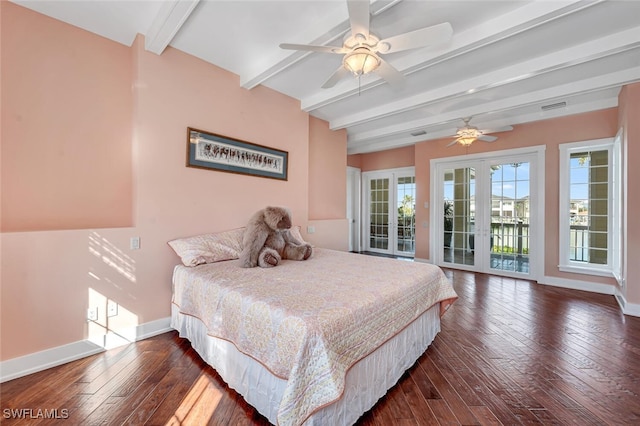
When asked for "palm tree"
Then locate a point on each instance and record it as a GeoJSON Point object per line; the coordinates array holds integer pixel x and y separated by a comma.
{"type": "Point", "coordinates": [448, 222]}
{"type": "Point", "coordinates": [407, 207]}
{"type": "Point", "coordinates": [406, 217]}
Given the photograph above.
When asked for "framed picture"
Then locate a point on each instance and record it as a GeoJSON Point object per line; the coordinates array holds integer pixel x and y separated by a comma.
{"type": "Point", "coordinates": [215, 152]}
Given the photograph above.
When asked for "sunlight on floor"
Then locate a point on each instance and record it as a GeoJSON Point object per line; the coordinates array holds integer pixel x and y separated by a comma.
{"type": "Point", "coordinates": [199, 404]}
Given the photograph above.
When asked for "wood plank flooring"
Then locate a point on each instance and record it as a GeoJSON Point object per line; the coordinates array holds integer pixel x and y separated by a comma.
{"type": "Point", "coordinates": [510, 352]}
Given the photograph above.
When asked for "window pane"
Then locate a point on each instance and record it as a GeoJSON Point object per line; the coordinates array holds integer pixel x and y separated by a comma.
{"type": "Point", "coordinates": [379, 214]}
{"type": "Point", "coordinates": [588, 206]}
{"type": "Point", "coordinates": [406, 191]}
{"type": "Point", "coordinates": [509, 239]}
{"type": "Point", "coordinates": [459, 215]}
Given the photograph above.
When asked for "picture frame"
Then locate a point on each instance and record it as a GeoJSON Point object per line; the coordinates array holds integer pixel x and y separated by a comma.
{"type": "Point", "coordinates": [211, 151]}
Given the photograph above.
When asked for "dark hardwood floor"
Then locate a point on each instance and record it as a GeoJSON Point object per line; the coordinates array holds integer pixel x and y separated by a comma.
{"type": "Point", "coordinates": [510, 352]}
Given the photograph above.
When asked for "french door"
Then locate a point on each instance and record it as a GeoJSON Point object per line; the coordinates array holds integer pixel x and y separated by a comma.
{"type": "Point", "coordinates": [390, 211]}
{"type": "Point", "coordinates": [488, 213]}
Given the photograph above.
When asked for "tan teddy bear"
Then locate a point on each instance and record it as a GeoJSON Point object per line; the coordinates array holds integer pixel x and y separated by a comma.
{"type": "Point", "coordinates": [268, 239]}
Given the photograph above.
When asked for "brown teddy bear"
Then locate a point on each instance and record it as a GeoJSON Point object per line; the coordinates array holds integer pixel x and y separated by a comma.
{"type": "Point", "coordinates": [268, 239]}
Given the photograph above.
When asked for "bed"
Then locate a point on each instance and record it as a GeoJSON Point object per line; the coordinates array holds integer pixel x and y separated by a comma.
{"type": "Point", "coordinates": [312, 342]}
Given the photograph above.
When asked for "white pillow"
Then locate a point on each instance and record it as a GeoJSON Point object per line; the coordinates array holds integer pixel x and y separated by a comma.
{"type": "Point", "coordinates": [209, 248]}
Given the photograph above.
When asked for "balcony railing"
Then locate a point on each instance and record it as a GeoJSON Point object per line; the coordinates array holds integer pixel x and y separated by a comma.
{"type": "Point", "coordinates": [514, 238]}
{"type": "Point", "coordinates": [510, 238]}
{"type": "Point", "coordinates": [579, 243]}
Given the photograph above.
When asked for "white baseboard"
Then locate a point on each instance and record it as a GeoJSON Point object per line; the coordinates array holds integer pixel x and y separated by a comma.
{"type": "Point", "coordinates": [38, 361]}
{"type": "Point", "coordinates": [632, 309]}
{"type": "Point", "coordinates": [577, 285]}
{"type": "Point", "coordinates": [153, 328]}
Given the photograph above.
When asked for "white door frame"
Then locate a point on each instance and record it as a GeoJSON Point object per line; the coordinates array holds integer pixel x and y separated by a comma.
{"type": "Point", "coordinates": [354, 202]}
{"type": "Point", "coordinates": [537, 180]}
{"type": "Point", "coordinates": [392, 175]}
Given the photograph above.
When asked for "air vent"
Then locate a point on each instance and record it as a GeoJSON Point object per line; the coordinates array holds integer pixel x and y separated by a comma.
{"type": "Point", "coordinates": [418, 133]}
{"type": "Point", "coordinates": [553, 106]}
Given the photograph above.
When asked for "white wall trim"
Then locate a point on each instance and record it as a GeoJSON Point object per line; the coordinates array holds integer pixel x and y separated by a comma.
{"type": "Point", "coordinates": [354, 208]}
{"type": "Point", "coordinates": [153, 328]}
{"type": "Point", "coordinates": [39, 361]}
{"type": "Point", "coordinates": [577, 285]}
{"type": "Point", "coordinates": [632, 309]}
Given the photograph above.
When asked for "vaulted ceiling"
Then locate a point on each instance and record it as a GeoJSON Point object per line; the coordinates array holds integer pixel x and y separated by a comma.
{"type": "Point", "coordinates": [507, 62]}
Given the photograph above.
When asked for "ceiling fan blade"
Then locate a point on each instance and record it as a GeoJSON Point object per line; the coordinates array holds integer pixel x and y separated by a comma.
{"type": "Point", "coordinates": [487, 138]}
{"type": "Point", "coordinates": [359, 17]}
{"type": "Point", "coordinates": [498, 129]}
{"type": "Point", "coordinates": [419, 38]}
{"type": "Point", "coordinates": [392, 76]}
{"type": "Point", "coordinates": [338, 75]}
{"type": "Point", "coordinates": [313, 48]}
{"type": "Point", "coordinates": [453, 142]}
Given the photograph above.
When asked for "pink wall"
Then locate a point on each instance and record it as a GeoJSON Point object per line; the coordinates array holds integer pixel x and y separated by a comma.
{"type": "Point", "coordinates": [354, 160]}
{"type": "Point", "coordinates": [327, 186]}
{"type": "Point", "coordinates": [176, 90]}
{"type": "Point", "coordinates": [389, 159]}
{"type": "Point", "coordinates": [73, 161]}
{"type": "Point", "coordinates": [327, 171]}
{"type": "Point", "coordinates": [629, 119]}
{"type": "Point", "coordinates": [47, 275]}
{"type": "Point", "coordinates": [209, 98]}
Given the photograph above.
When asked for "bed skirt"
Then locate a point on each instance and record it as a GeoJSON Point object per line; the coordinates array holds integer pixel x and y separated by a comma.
{"type": "Point", "coordinates": [366, 382]}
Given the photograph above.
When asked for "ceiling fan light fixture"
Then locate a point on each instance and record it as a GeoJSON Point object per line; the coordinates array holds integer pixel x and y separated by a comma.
{"type": "Point", "coordinates": [361, 61]}
{"type": "Point", "coordinates": [466, 140]}
{"type": "Point", "coordinates": [467, 135]}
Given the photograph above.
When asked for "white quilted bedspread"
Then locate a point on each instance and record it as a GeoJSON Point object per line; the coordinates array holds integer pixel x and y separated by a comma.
{"type": "Point", "coordinates": [309, 322]}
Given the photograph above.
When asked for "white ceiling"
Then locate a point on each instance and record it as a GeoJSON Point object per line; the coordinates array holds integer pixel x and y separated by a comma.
{"type": "Point", "coordinates": [506, 59]}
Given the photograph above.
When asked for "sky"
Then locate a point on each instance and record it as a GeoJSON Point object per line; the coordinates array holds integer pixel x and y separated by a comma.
{"type": "Point", "coordinates": [513, 182]}
{"type": "Point", "coordinates": [508, 180]}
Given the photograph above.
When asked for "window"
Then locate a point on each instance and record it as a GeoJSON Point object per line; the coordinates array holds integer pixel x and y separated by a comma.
{"type": "Point", "coordinates": [588, 216]}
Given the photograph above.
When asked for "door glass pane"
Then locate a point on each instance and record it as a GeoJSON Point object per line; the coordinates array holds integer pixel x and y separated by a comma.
{"type": "Point", "coordinates": [406, 194]}
{"type": "Point", "coordinates": [379, 214]}
{"type": "Point", "coordinates": [510, 211]}
{"type": "Point", "coordinates": [459, 215]}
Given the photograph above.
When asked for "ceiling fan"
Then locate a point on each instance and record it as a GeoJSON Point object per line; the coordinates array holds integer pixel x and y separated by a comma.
{"type": "Point", "coordinates": [361, 48]}
{"type": "Point", "coordinates": [468, 134]}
